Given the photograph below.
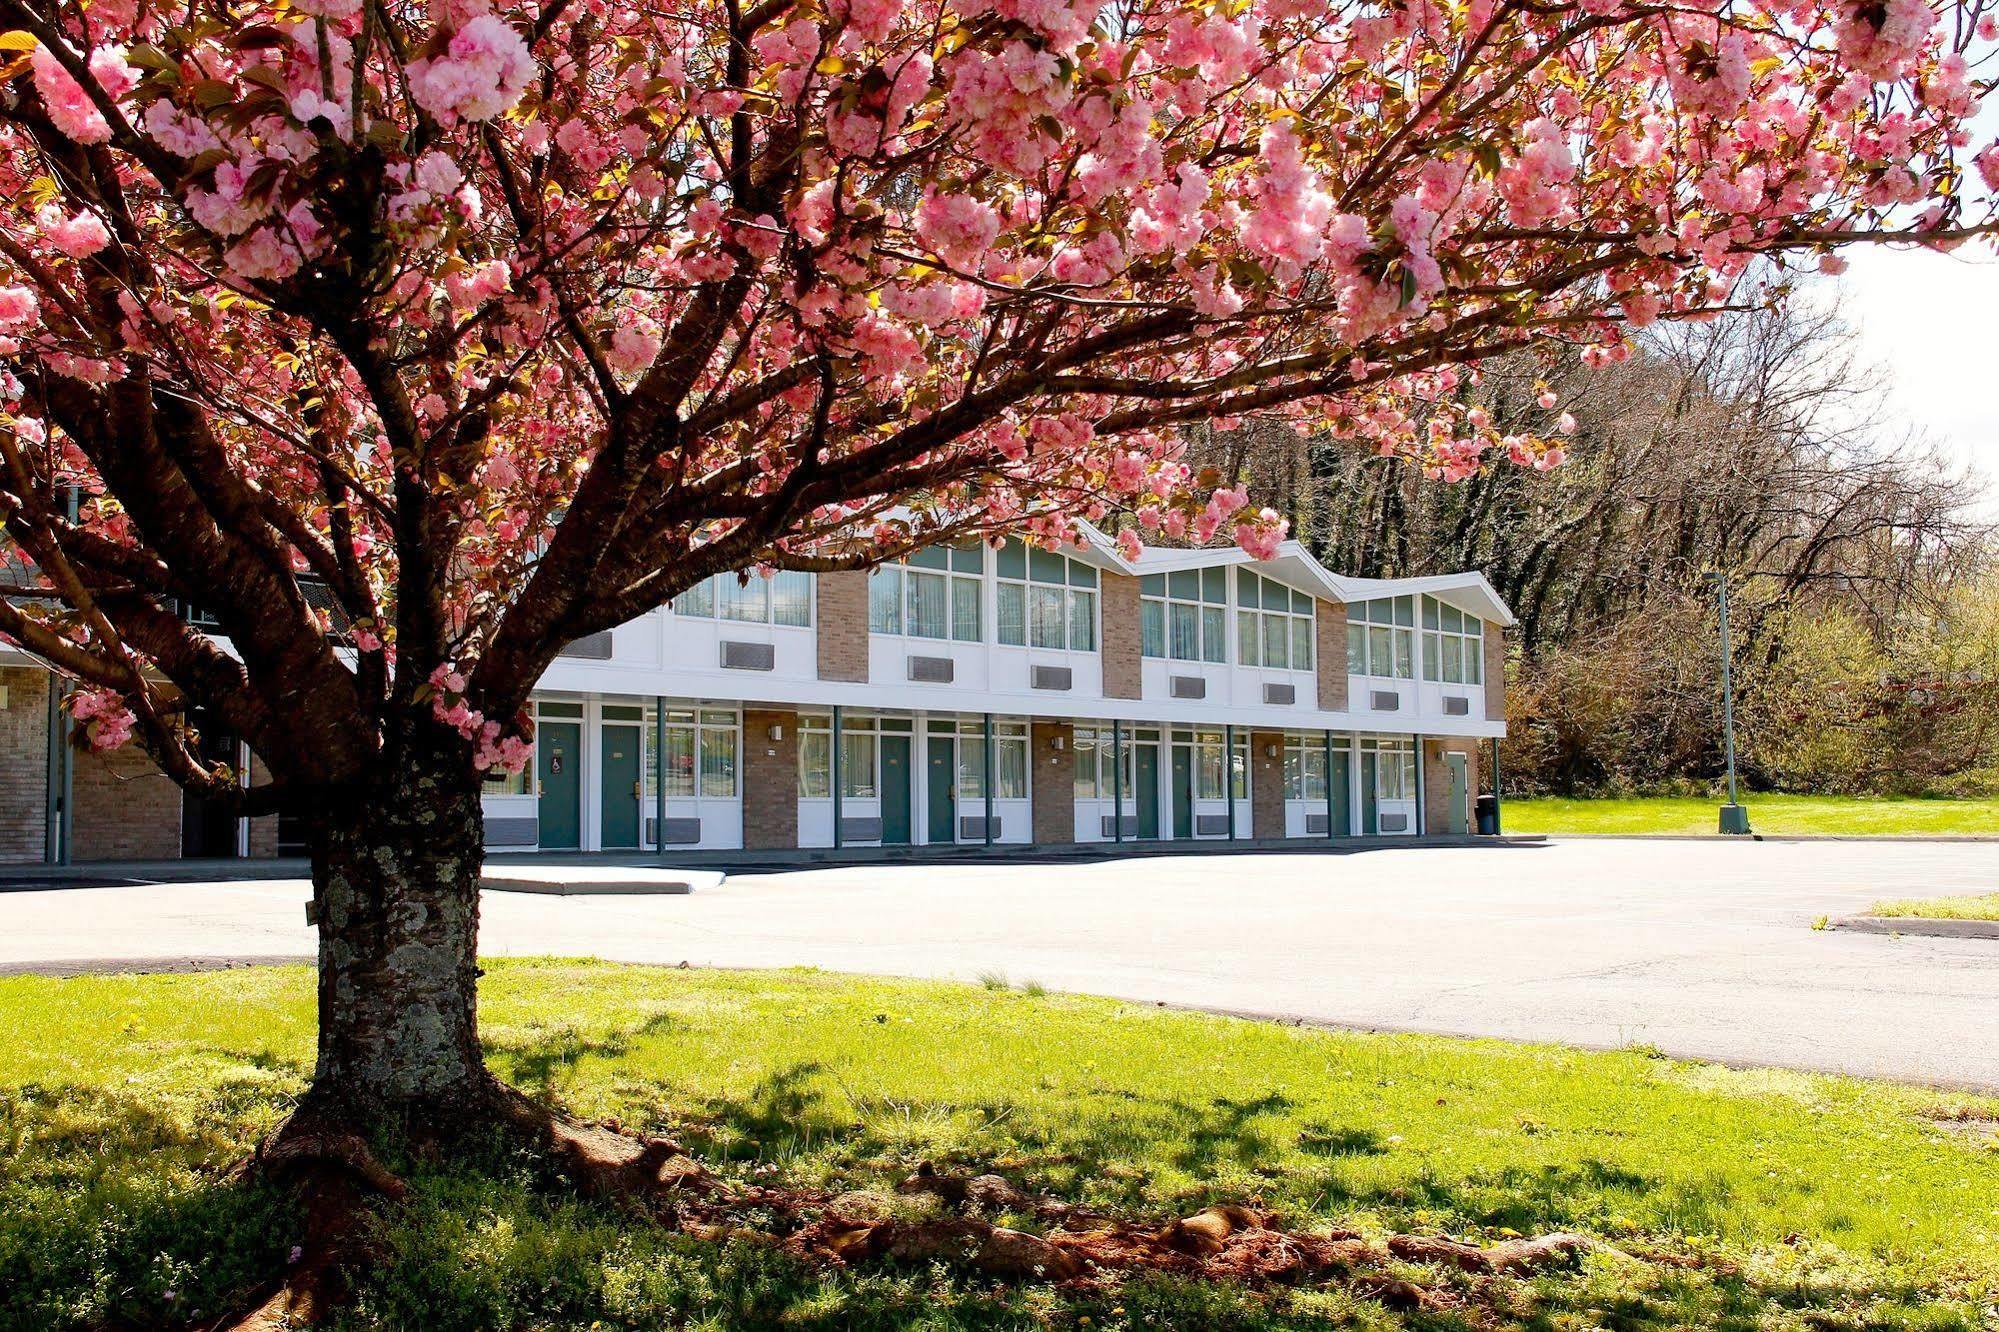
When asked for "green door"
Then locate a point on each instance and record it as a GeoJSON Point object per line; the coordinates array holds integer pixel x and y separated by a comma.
{"type": "Point", "coordinates": [1454, 815]}
{"type": "Point", "coordinates": [1342, 822]}
{"type": "Point", "coordinates": [1183, 792]}
{"type": "Point", "coordinates": [1147, 782]}
{"type": "Point", "coordinates": [558, 759]}
{"type": "Point", "coordinates": [1370, 798]}
{"type": "Point", "coordinates": [895, 790]}
{"type": "Point", "coordinates": [942, 789]}
{"type": "Point", "coordinates": [624, 748]}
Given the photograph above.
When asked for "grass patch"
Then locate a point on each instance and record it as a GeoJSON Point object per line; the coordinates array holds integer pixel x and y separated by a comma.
{"type": "Point", "coordinates": [1980, 907]}
{"type": "Point", "coordinates": [1772, 814]}
{"type": "Point", "coordinates": [1744, 1199]}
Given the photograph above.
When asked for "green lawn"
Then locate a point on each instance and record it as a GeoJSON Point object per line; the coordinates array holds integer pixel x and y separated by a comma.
{"type": "Point", "coordinates": [1742, 1200]}
{"type": "Point", "coordinates": [1985, 907]}
{"type": "Point", "coordinates": [1852, 815]}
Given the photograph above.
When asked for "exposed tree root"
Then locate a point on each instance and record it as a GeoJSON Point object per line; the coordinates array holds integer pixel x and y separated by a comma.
{"type": "Point", "coordinates": [336, 1175]}
{"type": "Point", "coordinates": [339, 1176]}
{"type": "Point", "coordinates": [602, 1160]}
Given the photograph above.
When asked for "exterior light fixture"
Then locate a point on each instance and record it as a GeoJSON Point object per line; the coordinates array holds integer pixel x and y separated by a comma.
{"type": "Point", "coordinates": [777, 732]}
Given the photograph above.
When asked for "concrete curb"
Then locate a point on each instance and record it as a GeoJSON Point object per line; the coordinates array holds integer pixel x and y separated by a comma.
{"type": "Point", "coordinates": [1766, 837]}
{"type": "Point", "coordinates": [589, 888]}
{"type": "Point", "coordinates": [1931, 927]}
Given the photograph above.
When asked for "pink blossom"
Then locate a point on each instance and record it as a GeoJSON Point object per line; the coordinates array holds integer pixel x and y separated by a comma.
{"type": "Point", "coordinates": [78, 236]}
{"type": "Point", "coordinates": [1129, 545]}
{"type": "Point", "coordinates": [69, 106]}
{"type": "Point", "coordinates": [18, 307]}
{"type": "Point", "coordinates": [957, 227]}
{"type": "Point", "coordinates": [632, 347]}
{"type": "Point", "coordinates": [482, 72]}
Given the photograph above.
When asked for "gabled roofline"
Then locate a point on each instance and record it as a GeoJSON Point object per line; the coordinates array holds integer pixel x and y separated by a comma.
{"type": "Point", "coordinates": [1295, 564]}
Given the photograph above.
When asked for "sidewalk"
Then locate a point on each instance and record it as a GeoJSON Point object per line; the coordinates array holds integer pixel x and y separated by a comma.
{"type": "Point", "coordinates": [508, 870]}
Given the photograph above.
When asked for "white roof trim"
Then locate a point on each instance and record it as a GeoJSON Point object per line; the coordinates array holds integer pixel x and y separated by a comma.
{"type": "Point", "coordinates": [1467, 590]}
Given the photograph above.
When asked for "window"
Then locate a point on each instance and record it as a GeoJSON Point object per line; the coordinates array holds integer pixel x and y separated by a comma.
{"type": "Point", "coordinates": [1304, 766]}
{"type": "Point", "coordinates": [1096, 772]}
{"type": "Point", "coordinates": [785, 598]}
{"type": "Point", "coordinates": [1184, 615]}
{"type": "Point", "coordinates": [701, 750]}
{"type": "Point", "coordinates": [1273, 623]}
{"type": "Point", "coordinates": [859, 754]}
{"type": "Point", "coordinates": [1395, 770]}
{"type": "Point", "coordinates": [815, 756]}
{"type": "Point", "coordinates": [1009, 758]}
{"type": "Point", "coordinates": [1453, 644]}
{"type": "Point", "coordinates": [932, 594]}
{"type": "Point", "coordinates": [1381, 638]}
{"type": "Point", "coordinates": [1046, 599]}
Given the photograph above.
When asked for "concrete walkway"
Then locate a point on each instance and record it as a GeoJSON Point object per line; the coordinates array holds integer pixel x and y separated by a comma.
{"type": "Point", "coordinates": [1698, 948]}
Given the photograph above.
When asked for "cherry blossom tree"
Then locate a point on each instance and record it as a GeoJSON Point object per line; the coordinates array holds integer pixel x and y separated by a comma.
{"type": "Point", "coordinates": [504, 323]}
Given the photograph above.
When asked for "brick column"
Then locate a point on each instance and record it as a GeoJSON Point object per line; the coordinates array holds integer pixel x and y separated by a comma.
{"type": "Point", "coordinates": [842, 626]}
{"type": "Point", "coordinates": [24, 765]}
{"type": "Point", "coordinates": [1495, 672]}
{"type": "Point", "coordinates": [1119, 649]}
{"type": "Point", "coordinates": [1332, 649]}
{"type": "Point", "coordinates": [1053, 783]}
{"type": "Point", "coordinates": [126, 808]}
{"type": "Point", "coordinates": [770, 779]}
{"type": "Point", "coordinates": [1437, 783]}
{"type": "Point", "coordinates": [1266, 785]}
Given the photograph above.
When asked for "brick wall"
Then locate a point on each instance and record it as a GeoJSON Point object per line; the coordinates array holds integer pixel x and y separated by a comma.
{"type": "Point", "coordinates": [1332, 650]}
{"type": "Point", "coordinates": [843, 626]}
{"type": "Point", "coordinates": [24, 764]}
{"type": "Point", "coordinates": [125, 808]}
{"type": "Point", "coordinates": [1495, 672]}
{"type": "Point", "coordinates": [1053, 784]}
{"type": "Point", "coordinates": [770, 777]}
{"type": "Point", "coordinates": [1121, 643]}
{"type": "Point", "coordinates": [1266, 784]}
{"type": "Point", "coordinates": [1437, 783]}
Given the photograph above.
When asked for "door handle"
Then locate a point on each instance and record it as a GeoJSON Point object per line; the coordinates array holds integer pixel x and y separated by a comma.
{"type": "Point", "coordinates": [638, 791]}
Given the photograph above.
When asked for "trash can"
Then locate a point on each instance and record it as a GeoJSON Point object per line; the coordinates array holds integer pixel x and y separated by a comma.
{"type": "Point", "coordinates": [1488, 816]}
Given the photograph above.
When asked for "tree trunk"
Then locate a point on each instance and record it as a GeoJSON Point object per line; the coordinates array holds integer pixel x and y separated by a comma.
{"type": "Point", "coordinates": [395, 875]}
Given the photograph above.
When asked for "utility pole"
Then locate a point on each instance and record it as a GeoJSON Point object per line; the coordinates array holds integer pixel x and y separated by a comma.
{"type": "Point", "coordinates": [1734, 818]}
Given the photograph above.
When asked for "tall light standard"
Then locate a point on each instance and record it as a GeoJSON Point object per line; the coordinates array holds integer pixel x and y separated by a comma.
{"type": "Point", "coordinates": [1734, 818]}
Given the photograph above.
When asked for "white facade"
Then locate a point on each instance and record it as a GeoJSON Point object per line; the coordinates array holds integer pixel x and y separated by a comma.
{"type": "Point", "coordinates": [939, 664]}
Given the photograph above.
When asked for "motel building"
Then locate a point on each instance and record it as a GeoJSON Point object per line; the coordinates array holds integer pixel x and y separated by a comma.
{"type": "Point", "coordinates": [968, 696]}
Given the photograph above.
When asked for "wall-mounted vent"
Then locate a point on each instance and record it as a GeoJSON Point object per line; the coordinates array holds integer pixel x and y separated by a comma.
{"type": "Point", "coordinates": [525, 831]}
{"type": "Point", "coordinates": [1130, 826]}
{"type": "Point", "coordinates": [1276, 694]}
{"type": "Point", "coordinates": [860, 830]}
{"type": "Point", "coordinates": [1315, 825]}
{"type": "Point", "coordinates": [1385, 700]}
{"type": "Point", "coordinates": [1457, 705]}
{"type": "Point", "coordinates": [595, 647]}
{"type": "Point", "coordinates": [1395, 823]}
{"type": "Point", "coordinates": [748, 656]}
{"type": "Point", "coordinates": [1052, 677]}
{"type": "Point", "coordinates": [932, 670]}
{"type": "Point", "coordinates": [679, 832]}
{"type": "Point", "coordinates": [1211, 825]}
{"type": "Point", "coordinates": [1188, 686]}
{"type": "Point", "coordinates": [972, 827]}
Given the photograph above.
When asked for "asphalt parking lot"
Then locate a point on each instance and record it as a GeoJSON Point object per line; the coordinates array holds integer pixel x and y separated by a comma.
{"type": "Point", "coordinates": [1698, 948]}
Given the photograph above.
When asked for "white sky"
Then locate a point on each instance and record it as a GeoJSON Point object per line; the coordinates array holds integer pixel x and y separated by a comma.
{"type": "Point", "coordinates": [1927, 319]}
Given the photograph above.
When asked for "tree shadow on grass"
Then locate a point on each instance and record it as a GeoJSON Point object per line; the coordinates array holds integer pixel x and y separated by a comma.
{"type": "Point", "coordinates": [538, 1060]}
{"type": "Point", "coordinates": [116, 1213]}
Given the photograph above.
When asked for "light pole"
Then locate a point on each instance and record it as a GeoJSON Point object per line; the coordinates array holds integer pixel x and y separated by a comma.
{"type": "Point", "coordinates": [1734, 818]}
